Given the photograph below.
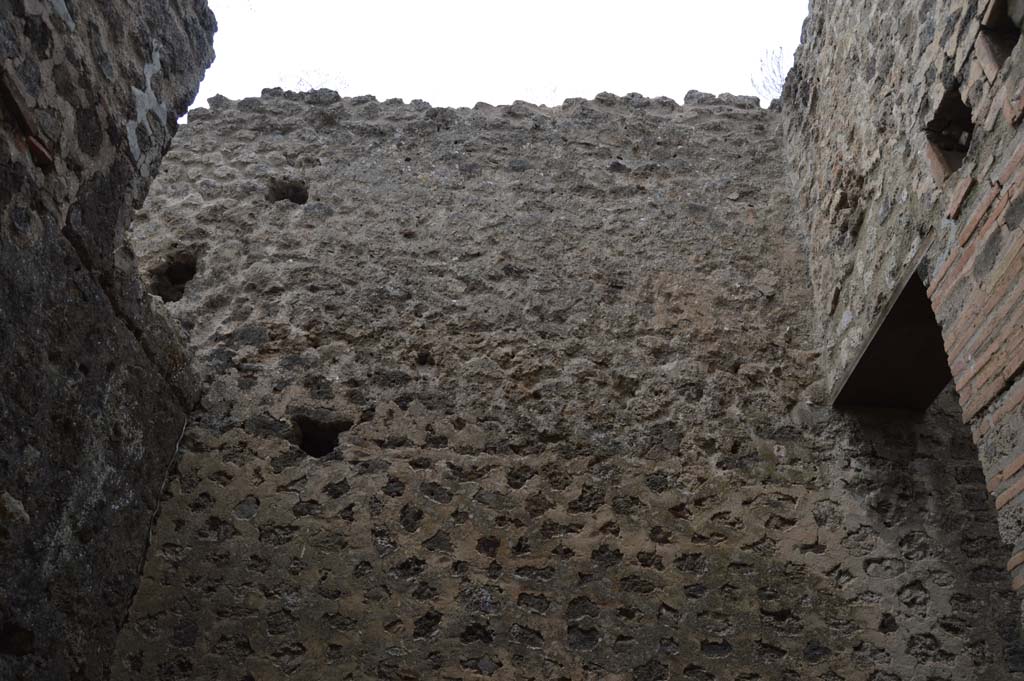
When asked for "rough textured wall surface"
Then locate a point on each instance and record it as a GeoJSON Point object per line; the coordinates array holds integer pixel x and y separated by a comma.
{"type": "Point", "coordinates": [95, 384]}
{"type": "Point", "coordinates": [867, 77]}
{"type": "Point", "coordinates": [529, 393]}
{"type": "Point", "coordinates": [861, 107]}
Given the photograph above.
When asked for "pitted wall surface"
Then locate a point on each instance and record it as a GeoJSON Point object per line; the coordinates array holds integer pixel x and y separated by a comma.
{"type": "Point", "coordinates": [567, 359]}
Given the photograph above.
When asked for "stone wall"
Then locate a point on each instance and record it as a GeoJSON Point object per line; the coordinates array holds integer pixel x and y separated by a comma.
{"type": "Point", "coordinates": [95, 382]}
{"type": "Point", "coordinates": [531, 393]}
{"type": "Point", "coordinates": [886, 189]}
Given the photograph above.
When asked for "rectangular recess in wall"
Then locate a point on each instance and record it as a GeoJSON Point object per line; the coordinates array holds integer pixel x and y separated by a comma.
{"type": "Point", "coordinates": [903, 364]}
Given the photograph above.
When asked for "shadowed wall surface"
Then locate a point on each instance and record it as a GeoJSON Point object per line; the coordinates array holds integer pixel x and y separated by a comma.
{"type": "Point", "coordinates": [94, 382]}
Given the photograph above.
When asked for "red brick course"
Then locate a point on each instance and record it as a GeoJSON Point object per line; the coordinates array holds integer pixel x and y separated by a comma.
{"type": "Point", "coordinates": [979, 214]}
{"type": "Point", "coordinates": [963, 189]}
{"type": "Point", "coordinates": [1013, 401]}
{"type": "Point", "coordinates": [991, 302]}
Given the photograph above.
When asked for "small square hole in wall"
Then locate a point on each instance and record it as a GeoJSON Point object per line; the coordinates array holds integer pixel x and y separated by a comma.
{"type": "Point", "coordinates": [318, 437]}
{"type": "Point", "coordinates": [949, 135]}
{"type": "Point", "coordinates": [1000, 28]}
{"type": "Point", "coordinates": [287, 189]}
{"type": "Point", "coordinates": [169, 279]}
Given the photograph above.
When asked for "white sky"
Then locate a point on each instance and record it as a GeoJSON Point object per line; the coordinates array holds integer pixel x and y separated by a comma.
{"type": "Point", "coordinates": [457, 53]}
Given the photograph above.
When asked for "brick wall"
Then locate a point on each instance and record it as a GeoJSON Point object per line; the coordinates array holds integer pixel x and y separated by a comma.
{"type": "Point", "coordinates": [881, 196]}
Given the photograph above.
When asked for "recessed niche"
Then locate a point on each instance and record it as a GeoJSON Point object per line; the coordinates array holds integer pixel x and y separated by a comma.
{"type": "Point", "coordinates": [1000, 28]}
{"type": "Point", "coordinates": [318, 437]}
{"type": "Point", "coordinates": [287, 189]}
{"type": "Point", "coordinates": [949, 134]}
{"type": "Point", "coordinates": [169, 279]}
{"type": "Point", "coordinates": [904, 363]}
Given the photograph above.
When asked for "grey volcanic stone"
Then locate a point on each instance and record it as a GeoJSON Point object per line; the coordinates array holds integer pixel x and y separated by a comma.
{"type": "Point", "coordinates": [94, 381]}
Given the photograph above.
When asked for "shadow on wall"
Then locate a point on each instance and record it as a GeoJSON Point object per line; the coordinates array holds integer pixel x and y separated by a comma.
{"type": "Point", "coordinates": [922, 485]}
{"type": "Point", "coordinates": [923, 493]}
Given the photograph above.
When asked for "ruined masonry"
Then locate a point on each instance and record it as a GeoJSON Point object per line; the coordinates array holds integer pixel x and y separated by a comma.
{"type": "Point", "coordinates": [622, 389]}
{"type": "Point", "coordinates": [95, 382]}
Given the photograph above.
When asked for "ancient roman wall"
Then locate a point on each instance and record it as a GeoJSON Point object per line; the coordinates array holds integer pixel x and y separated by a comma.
{"type": "Point", "coordinates": [890, 179]}
{"type": "Point", "coordinates": [531, 393]}
{"type": "Point", "coordinates": [94, 382]}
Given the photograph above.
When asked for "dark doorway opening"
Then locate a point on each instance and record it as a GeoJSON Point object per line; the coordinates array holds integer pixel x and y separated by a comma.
{"type": "Point", "coordinates": [918, 474]}
{"type": "Point", "coordinates": [904, 363]}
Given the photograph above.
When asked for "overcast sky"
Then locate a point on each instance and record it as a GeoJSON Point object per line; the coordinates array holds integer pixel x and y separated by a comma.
{"type": "Point", "coordinates": [456, 53]}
